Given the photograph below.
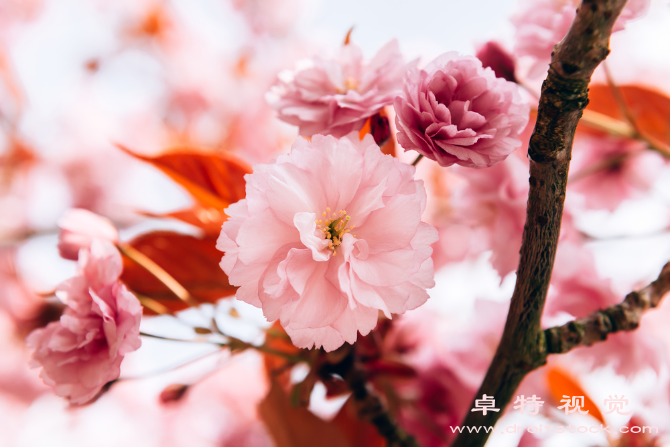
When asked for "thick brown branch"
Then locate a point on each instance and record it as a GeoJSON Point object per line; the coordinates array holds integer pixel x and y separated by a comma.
{"type": "Point", "coordinates": [622, 317]}
{"type": "Point", "coordinates": [564, 96]}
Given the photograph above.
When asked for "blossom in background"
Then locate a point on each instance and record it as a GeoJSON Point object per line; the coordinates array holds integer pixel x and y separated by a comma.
{"type": "Point", "coordinates": [541, 24]}
{"type": "Point", "coordinates": [79, 227]}
{"type": "Point", "coordinates": [609, 170]}
{"type": "Point", "coordinates": [454, 111]}
{"type": "Point", "coordinates": [486, 210]}
{"type": "Point", "coordinates": [327, 237]}
{"type": "Point", "coordinates": [578, 289]}
{"type": "Point", "coordinates": [336, 96]}
{"type": "Point", "coordinates": [449, 356]}
{"type": "Point", "coordinates": [269, 16]}
{"type": "Point", "coordinates": [83, 351]}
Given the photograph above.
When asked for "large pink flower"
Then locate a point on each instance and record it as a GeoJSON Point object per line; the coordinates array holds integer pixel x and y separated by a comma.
{"type": "Point", "coordinates": [328, 236]}
{"type": "Point", "coordinates": [543, 23]}
{"type": "Point", "coordinates": [83, 351]}
{"type": "Point", "coordinates": [336, 96]}
{"type": "Point", "coordinates": [454, 111]}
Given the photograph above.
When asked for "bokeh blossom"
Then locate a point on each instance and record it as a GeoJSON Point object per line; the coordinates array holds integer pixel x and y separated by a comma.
{"type": "Point", "coordinates": [485, 209]}
{"type": "Point", "coordinates": [454, 111]}
{"type": "Point", "coordinates": [541, 24]}
{"type": "Point", "coordinates": [78, 228]}
{"type": "Point", "coordinates": [83, 351]}
{"type": "Point", "coordinates": [336, 96]}
{"type": "Point", "coordinates": [609, 170]}
{"type": "Point", "coordinates": [327, 237]}
{"type": "Point", "coordinates": [449, 359]}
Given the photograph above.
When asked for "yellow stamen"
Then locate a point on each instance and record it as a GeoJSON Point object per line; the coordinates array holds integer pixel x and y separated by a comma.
{"type": "Point", "coordinates": [335, 227]}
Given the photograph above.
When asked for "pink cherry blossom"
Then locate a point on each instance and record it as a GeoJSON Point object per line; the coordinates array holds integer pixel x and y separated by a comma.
{"type": "Point", "coordinates": [454, 111]}
{"type": "Point", "coordinates": [327, 236]}
{"type": "Point", "coordinates": [543, 23]}
{"type": "Point", "coordinates": [83, 351]}
{"type": "Point", "coordinates": [609, 170]}
{"type": "Point", "coordinates": [78, 228]}
{"type": "Point", "coordinates": [576, 286]}
{"type": "Point", "coordinates": [336, 96]}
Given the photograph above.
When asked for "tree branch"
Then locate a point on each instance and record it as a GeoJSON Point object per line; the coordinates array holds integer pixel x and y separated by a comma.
{"type": "Point", "coordinates": [622, 317]}
{"type": "Point", "coordinates": [564, 97]}
{"type": "Point", "coordinates": [368, 404]}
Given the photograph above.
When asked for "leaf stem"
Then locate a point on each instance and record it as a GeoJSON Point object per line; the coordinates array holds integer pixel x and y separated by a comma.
{"type": "Point", "coordinates": [158, 272]}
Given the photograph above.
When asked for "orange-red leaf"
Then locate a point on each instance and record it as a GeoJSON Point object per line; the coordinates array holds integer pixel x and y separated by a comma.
{"type": "Point", "coordinates": [296, 426]}
{"type": "Point", "coordinates": [365, 129]}
{"type": "Point", "coordinates": [214, 179]}
{"type": "Point", "coordinates": [561, 384]}
{"type": "Point", "coordinates": [208, 219]}
{"type": "Point", "coordinates": [193, 262]}
{"type": "Point", "coordinates": [650, 109]}
{"type": "Point", "coordinates": [359, 433]}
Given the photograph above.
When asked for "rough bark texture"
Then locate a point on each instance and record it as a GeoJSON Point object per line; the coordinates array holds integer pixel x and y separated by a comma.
{"type": "Point", "coordinates": [598, 325]}
{"type": "Point", "coordinates": [564, 96]}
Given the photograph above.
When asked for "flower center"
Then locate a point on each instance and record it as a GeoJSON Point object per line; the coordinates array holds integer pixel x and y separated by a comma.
{"type": "Point", "coordinates": [334, 227]}
{"type": "Point", "coordinates": [350, 83]}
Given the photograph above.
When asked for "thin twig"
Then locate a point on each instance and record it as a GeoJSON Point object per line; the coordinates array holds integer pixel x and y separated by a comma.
{"type": "Point", "coordinates": [417, 160]}
{"type": "Point", "coordinates": [368, 404]}
{"type": "Point", "coordinates": [598, 325]}
{"type": "Point", "coordinates": [234, 344]}
{"type": "Point", "coordinates": [196, 340]}
{"type": "Point", "coordinates": [608, 163]}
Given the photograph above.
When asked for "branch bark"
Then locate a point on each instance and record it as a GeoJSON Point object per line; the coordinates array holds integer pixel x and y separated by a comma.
{"type": "Point", "coordinates": [564, 97]}
{"type": "Point", "coordinates": [598, 325]}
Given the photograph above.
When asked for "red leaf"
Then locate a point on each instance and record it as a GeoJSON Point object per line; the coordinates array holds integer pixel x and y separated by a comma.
{"type": "Point", "coordinates": [358, 432]}
{"type": "Point", "coordinates": [193, 262]}
{"type": "Point", "coordinates": [214, 179]}
{"type": "Point", "coordinates": [296, 426]}
{"type": "Point", "coordinates": [561, 384]}
{"type": "Point", "coordinates": [208, 219]}
{"type": "Point", "coordinates": [650, 109]}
